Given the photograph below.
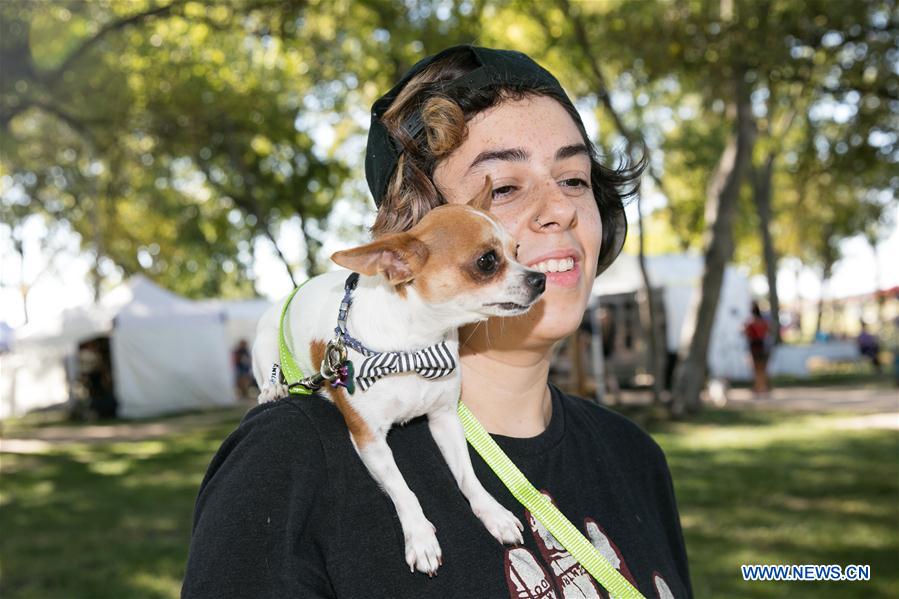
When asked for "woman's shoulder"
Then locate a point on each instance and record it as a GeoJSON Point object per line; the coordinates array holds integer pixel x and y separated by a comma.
{"type": "Point", "coordinates": [275, 433]}
{"type": "Point", "coordinates": [293, 413]}
{"type": "Point", "coordinates": [611, 429]}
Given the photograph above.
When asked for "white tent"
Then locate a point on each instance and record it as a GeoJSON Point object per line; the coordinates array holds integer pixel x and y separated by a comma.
{"type": "Point", "coordinates": [680, 276]}
{"type": "Point", "coordinates": [168, 354]}
{"type": "Point", "coordinates": [241, 317]}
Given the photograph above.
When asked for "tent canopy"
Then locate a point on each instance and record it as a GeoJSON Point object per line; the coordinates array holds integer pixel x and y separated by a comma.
{"type": "Point", "coordinates": [168, 353]}
{"type": "Point", "coordinates": [680, 276]}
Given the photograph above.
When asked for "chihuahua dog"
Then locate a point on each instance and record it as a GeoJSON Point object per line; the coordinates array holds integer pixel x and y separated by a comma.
{"type": "Point", "coordinates": [415, 289]}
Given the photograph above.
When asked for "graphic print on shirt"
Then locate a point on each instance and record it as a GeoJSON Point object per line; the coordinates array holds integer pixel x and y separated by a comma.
{"type": "Point", "coordinates": [525, 576]}
{"type": "Point", "coordinates": [567, 579]}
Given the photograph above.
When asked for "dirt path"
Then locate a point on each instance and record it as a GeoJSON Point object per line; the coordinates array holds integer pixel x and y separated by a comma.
{"type": "Point", "coordinates": [41, 438]}
{"type": "Point", "coordinates": [869, 408]}
{"type": "Point", "coordinates": [864, 408]}
{"type": "Point", "coordinates": [815, 399]}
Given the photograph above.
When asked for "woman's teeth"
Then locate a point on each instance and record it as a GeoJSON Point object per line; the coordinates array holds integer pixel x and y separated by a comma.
{"type": "Point", "coordinates": [562, 265]}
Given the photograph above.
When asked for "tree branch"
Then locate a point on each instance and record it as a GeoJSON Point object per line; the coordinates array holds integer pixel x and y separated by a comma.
{"type": "Point", "coordinates": [116, 25]}
{"type": "Point", "coordinates": [602, 92]}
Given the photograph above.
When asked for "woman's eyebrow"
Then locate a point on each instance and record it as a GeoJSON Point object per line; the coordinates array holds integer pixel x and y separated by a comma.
{"type": "Point", "coordinates": [511, 154]}
{"type": "Point", "coordinates": [520, 155]}
{"type": "Point", "coordinates": [572, 150]}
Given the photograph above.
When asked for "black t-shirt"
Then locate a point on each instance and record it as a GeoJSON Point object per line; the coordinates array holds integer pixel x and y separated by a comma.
{"type": "Point", "coordinates": [287, 509]}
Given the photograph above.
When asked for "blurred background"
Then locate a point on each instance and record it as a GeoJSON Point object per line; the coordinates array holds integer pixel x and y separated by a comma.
{"type": "Point", "coordinates": [170, 168]}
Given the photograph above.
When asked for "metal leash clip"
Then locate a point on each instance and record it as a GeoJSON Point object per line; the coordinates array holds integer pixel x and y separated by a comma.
{"type": "Point", "coordinates": [336, 368]}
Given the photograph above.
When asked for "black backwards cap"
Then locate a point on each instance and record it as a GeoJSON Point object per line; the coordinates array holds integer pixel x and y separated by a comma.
{"type": "Point", "coordinates": [496, 68]}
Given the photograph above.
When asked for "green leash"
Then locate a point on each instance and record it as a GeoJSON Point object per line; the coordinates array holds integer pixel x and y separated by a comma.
{"type": "Point", "coordinates": [289, 367]}
{"type": "Point", "coordinates": [542, 508]}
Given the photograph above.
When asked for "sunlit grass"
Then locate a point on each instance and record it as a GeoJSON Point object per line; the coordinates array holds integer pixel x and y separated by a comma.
{"type": "Point", "coordinates": [113, 519]}
{"type": "Point", "coordinates": [770, 487]}
{"type": "Point", "coordinates": [103, 520]}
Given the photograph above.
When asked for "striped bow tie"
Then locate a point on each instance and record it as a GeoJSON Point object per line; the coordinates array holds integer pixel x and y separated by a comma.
{"type": "Point", "coordinates": [431, 362]}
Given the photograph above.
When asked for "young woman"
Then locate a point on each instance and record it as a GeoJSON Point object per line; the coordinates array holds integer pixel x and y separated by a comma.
{"type": "Point", "coordinates": [287, 508]}
{"type": "Point", "coordinates": [756, 331]}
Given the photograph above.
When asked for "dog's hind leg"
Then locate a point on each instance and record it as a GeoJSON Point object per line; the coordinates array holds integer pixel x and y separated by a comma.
{"type": "Point", "coordinates": [446, 428]}
{"type": "Point", "coordinates": [422, 549]}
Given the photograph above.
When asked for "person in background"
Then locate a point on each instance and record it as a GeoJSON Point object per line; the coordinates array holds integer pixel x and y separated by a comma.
{"type": "Point", "coordinates": [243, 368]}
{"type": "Point", "coordinates": [869, 347]}
{"type": "Point", "coordinates": [895, 345]}
{"type": "Point", "coordinates": [756, 331]}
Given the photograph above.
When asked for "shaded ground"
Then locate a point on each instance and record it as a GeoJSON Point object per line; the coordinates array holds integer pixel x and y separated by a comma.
{"type": "Point", "coordinates": [808, 399]}
{"type": "Point", "coordinates": [872, 399]}
{"type": "Point", "coordinates": [25, 437]}
{"type": "Point", "coordinates": [876, 406]}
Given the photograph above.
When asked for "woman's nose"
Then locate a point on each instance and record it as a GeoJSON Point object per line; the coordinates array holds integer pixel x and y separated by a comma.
{"type": "Point", "coordinates": [553, 210]}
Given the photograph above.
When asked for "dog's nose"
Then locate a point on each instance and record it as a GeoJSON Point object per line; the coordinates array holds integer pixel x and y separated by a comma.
{"type": "Point", "coordinates": [536, 281]}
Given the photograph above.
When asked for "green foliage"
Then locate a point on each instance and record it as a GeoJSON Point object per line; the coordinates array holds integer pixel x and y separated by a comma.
{"type": "Point", "coordinates": [173, 135]}
{"type": "Point", "coordinates": [825, 95]}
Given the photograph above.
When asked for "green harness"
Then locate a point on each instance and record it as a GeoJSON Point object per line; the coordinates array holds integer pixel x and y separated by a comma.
{"type": "Point", "coordinates": [536, 503]}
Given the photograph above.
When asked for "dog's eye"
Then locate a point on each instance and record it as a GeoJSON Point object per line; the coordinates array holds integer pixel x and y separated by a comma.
{"type": "Point", "coordinates": [488, 262]}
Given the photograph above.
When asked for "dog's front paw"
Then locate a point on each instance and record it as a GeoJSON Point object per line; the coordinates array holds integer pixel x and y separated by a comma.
{"type": "Point", "coordinates": [500, 522]}
{"type": "Point", "coordinates": [422, 549]}
{"type": "Point", "coordinates": [271, 392]}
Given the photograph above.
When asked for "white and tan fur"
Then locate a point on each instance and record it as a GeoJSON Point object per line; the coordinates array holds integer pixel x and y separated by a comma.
{"type": "Point", "coordinates": [415, 289]}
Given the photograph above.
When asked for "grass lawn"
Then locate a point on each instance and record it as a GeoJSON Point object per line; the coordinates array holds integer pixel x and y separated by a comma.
{"type": "Point", "coordinates": [103, 520]}
{"type": "Point", "coordinates": [776, 488]}
{"type": "Point", "coordinates": [113, 519]}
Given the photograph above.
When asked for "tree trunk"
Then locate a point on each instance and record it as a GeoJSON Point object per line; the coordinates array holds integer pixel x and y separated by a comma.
{"type": "Point", "coordinates": [18, 245]}
{"type": "Point", "coordinates": [655, 362]}
{"type": "Point", "coordinates": [266, 229]}
{"type": "Point", "coordinates": [879, 297]}
{"type": "Point", "coordinates": [313, 246]}
{"type": "Point", "coordinates": [761, 185]}
{"type": "Point", "coordinates": [722, 194]}
{"type": "Point", "coordinates": [825, 278]}
{"type": "Point", "coordinates": [96, 277]}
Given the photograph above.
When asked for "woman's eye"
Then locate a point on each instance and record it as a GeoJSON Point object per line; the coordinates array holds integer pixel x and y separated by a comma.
{"type": "Point", "coordinates": [576, 182]}
{"type": "Point", "coordinates": [488, 263]}
{"type": "Point", "coordinates": [504, 190]}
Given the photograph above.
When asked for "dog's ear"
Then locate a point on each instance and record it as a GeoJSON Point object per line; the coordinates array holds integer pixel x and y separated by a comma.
{"type": "Point", "coordinates": [399, 257]}
{"type": "Point", "coordinates": [484, 197]}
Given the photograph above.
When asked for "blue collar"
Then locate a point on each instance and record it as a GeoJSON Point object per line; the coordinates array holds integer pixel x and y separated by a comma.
{"type": "Point", "coordinates": [340, 330]}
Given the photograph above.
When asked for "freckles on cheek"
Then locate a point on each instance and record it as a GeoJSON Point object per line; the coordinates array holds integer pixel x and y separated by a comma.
{"type": "Point", "coordinates": [589, 220]}
{"type": "Point", "coordinates": [591, 225]}
{"type": "Point", "coordinates": [510, 221]}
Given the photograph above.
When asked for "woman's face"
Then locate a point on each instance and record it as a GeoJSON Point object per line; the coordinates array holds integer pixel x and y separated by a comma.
{"type": "Point", "coordinates": [535, 156]}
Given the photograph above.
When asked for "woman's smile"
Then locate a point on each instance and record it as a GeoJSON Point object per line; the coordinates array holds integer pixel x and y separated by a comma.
{"type": "Point", "coordinates": [562, 267]}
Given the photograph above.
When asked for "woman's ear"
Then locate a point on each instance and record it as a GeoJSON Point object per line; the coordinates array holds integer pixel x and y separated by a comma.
{"type": "Point", "coordinates": [398, 257]}
{"type": "Point", "coordinates": [484, 198]}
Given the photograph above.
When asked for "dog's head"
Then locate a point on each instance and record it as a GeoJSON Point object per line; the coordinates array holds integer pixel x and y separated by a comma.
{"type": "Point", "coordinates": [458, 257]}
